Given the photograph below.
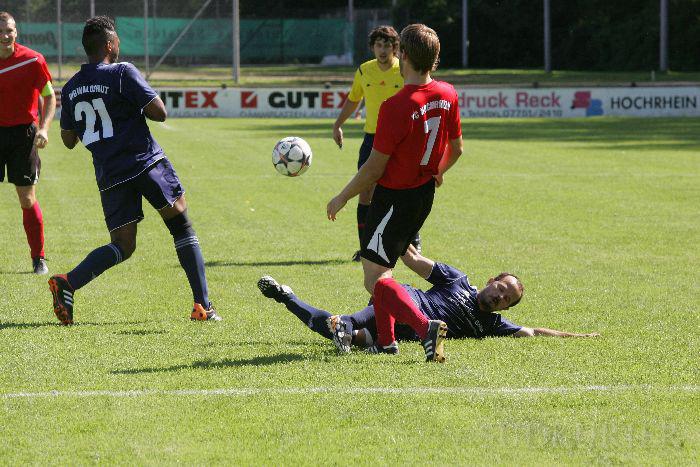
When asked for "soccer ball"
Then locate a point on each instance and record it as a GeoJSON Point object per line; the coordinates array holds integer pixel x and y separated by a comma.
{"type": "Point", "coordinates": [291, 156]}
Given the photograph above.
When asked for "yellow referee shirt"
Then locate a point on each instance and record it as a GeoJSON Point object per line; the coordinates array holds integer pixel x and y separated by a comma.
{"type": "Point", "coordinates": [375, 86]}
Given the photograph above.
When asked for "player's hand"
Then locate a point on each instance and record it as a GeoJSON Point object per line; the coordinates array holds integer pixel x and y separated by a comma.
{"type": "Point", "coordinates": [338, 136]}
{"type": "Point", "coordinates": [438, 180]}
{"type": "Point", "coordinates": [41, 138]}
{"type": "Point", "coordinates": [334, 205]}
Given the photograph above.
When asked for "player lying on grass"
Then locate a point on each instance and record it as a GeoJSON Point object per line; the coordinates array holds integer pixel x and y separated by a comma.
{"type": "Point", "coordinates": [105, 105]}
{"type": "Point", "coordinates": [467, 311]}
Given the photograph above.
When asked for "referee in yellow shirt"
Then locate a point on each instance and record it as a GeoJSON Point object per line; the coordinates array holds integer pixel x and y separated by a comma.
{"type": "Point", "coordinates": [375, 80]}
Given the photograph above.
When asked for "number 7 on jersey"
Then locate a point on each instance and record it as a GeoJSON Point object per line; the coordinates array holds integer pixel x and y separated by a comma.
{"type": "Point", "coordinates": [431, 126]}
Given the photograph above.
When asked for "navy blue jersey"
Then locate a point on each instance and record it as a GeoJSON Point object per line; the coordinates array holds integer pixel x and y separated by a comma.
{"type": "Point", "coordinates": [103, 104]}
{"type": "Point", "coordinates": [452, 299]}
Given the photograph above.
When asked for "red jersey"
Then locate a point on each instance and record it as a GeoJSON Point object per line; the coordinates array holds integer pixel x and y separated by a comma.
{"type": "Point", "coordinates": [22, 77]}
{"type": "Point", "coordinates": [414, 128]}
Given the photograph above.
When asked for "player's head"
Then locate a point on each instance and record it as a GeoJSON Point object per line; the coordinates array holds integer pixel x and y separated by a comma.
{"type": "Point", "coordinates": [384, 43]}
{"type": "Point", "coordinates": [8, 33]}
{"type": "Point", "coordinates": [501, 292]}
{"type": "Point", "coordinates": [100, 39]}
{"type": "Point", "coordinates": [419, 48]}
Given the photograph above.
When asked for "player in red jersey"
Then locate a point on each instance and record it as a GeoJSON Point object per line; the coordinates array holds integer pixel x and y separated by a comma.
{"type": "Point", "coordinates": [23, 77]}
{"type": "Point", "coordinates": [418, 139]}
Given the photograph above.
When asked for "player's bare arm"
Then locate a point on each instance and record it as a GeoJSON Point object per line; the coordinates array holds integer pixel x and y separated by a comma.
{"type": "Point", "coordinates": [368, 174]}
{"type": "Point", "coordinates": [534, 332]}
{"type": "Point", "coordinates": [155, 110]}
{"type": "Point", "coordinates": [48, 109]}
{"type": "Point", "coordinates": [69, 138]}
{"type": "Point", "coordinates": [418, 263]}
{"type": "Point", "coordinates": [348, 109]}
{"type": "Point", "coordinates": [453, 151]}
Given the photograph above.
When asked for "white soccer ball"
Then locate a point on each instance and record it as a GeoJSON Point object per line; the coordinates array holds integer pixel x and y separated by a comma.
{"type": "Point", "coordinates": [291, 156]}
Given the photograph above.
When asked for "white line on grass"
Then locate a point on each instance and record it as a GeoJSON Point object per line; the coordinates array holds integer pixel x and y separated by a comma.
{"type": "Point", "coordinates": [251, 392]}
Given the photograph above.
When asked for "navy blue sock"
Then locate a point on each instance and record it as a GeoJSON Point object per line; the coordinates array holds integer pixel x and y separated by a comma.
{"type": "Point", "coordinates": [94, 264]}
{"type": "Point", "coordinates": [192, 261]}
{"type": "Point", "coordinates": [312, 317]}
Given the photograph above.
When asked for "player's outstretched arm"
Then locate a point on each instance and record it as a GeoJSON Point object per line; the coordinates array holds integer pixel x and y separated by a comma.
{"type": "Point", "coordinates": [418, 263]}
{"type": "Point", "coordinates": [534, 332]}
{"type": "Point", "coordinates": [155, 110]}
{"type": "Point", "coordinates": [69, 138]}
{"type": "Point", "coordinates": [348, 109]}
{"type": "Point", "coordinates": [368, 174]}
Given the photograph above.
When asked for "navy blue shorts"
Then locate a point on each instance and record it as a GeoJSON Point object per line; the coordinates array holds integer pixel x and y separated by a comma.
{"type": "Point", "coordinates": [159, 184]}
{"type": "Point", "coordinates": [365, 149]}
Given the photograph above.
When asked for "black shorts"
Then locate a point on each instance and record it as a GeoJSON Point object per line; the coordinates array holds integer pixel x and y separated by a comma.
{"type": "Point", "coordinates": [19, 155]}
{"type": "Point", "coordinates": [393, 220]}
{"type": "Point", "coordinates": [365, 149]}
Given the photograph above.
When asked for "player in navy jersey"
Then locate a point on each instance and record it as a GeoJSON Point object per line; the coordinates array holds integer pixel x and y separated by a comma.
{"type": "Point", "coordinates": [105, 105]}
{"type": "Point", "coordinates": [467, 311]}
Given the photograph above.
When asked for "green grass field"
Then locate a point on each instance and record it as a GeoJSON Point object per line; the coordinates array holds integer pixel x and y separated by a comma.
{"type": "Point", "coordinates": [600, 218]}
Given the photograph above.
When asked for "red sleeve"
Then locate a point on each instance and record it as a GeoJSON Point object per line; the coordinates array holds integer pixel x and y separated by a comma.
{"type": "Point", "coordinates": [43, 74]}
{"type": "Point", "coordinates": [454, 129]}
{"type": "Point", "coordinates": [392, 127]}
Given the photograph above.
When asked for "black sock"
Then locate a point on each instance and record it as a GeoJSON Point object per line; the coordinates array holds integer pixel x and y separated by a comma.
{"type": "Point", "coordinates": [362, 210]}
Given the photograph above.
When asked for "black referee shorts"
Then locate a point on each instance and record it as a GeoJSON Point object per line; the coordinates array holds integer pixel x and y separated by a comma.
{"type": "Point", "coordinates": [19, 155]}
{"type": "Point", "coordinates": [393, 220]}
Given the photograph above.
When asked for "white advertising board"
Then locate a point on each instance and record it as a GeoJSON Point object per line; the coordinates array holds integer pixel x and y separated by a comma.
{"type": "Point", "coordinates": [681, 101]}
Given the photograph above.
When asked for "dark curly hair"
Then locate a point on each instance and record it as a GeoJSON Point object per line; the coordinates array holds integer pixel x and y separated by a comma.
{"type": "Point", "coordinates": [386, 33]}
{"type": "Point", "coordinates": [96, 33]}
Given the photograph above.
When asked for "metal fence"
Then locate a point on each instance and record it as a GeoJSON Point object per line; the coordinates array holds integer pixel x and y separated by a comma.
{"type": "Point", "coordinates": [187, 32]}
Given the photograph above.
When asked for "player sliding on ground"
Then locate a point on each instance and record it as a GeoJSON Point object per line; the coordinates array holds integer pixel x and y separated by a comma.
{"type": "Point", "coordinates": [467, 311]}
{"type": "Point", "coordinates": [105, 105]}
{"type": "Point", "coordinates": [419, 137]}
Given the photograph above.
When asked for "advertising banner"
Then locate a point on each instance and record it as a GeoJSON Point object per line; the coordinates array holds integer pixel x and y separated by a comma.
{"type": "Point", "coordinates": [473, 102]}
{"type": "Point", "coordinates": [580, 102]}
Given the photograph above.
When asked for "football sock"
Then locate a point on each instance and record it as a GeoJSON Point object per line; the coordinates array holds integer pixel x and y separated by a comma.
{"type": "Point", "coordinates": [393, 304]}
{"type": "Point", "coordinates": [362, 210]}
{"type": "Point", "coordinates": [33, 221]}
{"type": "Point", "coordinates": [94, 264]}
{"type": "Point", "coordinates": [312, 317]}
{"type": "Point", "coordinates": [190, 256]}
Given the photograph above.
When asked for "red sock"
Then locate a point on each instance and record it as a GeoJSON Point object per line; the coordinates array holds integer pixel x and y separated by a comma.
{"type": "Point", "coordinates": [392, 301]}
{"type": "Point", "coordinates": [34, 227]}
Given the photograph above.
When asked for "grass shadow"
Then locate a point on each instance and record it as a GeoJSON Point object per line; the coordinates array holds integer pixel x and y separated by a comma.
{"type": "Point", "coordinates": [27, 325]}
{"type": "Point", "coordinates": [137, 332]}
{"type": "Point", "coordinates": [209, 364]}
{"type": "Point", "coordinates": [15, 273]}
{"type": "Point", "coordinates": [214, 264]}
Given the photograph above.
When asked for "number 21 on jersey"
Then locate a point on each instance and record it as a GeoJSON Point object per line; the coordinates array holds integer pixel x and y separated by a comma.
{"type": "Point", "coordinates": [431, 126]}
{"type": "Point", "coordinates": [88, 110]}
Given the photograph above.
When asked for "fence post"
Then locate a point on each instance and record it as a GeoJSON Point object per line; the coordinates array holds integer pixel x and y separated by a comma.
{"type": "Point", "coordinates": [663, 36]}
{"type": "Point", "coordinates": [465, 35]}
{"type": "Point", "coordinates": [59, 25]}
{"type": "Point", "coordinates": [145, 36]}
{"type": "Point", "coordinates": [236, 33]}
{"type": "Point", "coordinates": [547, 40]}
